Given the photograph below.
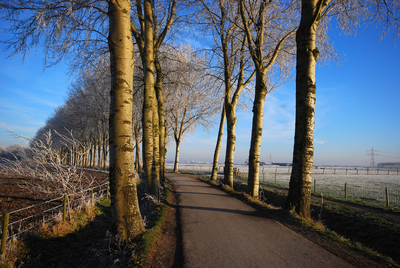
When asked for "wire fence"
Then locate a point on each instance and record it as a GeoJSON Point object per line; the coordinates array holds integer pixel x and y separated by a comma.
{"type": "Point", "coordinates": [54, 210]}
{"type": "Point", "coordinates": [375, 187]}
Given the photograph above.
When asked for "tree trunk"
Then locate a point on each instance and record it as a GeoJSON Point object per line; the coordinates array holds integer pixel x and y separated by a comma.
{"type": "Point", "coordinates": [104, 158]}
{"type": "Point", "coordinates": [148, 100]}
{"type": "Point", "coordinates": [91, 155]}
{"type": "Point", "coordinates": [106, 148]}
{"type": "Point", "coordinates": [256, 133]}
{"type": "Point", "coordinates": [161, 117]}
{"type": "Point", "coordinates": [307, 54]}
{"type": "Point", "coordinates": [99, 162]}
{"type": "Point", "coordinates": [138, 160]}
{"type": "Point", "coordinates": [214, 172]}
{"type": "Point", "coordinates": [126, 217]}
{"type": "Point", "coordinates": [230, 143]}
{"type": "Point", "coordinates": [176, 163]}
{"type": "Point", "coordinates": [156, 144]}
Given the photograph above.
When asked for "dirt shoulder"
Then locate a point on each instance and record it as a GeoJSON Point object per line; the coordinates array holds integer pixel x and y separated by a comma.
{"type": "Point", "coordinates": [167, 251]}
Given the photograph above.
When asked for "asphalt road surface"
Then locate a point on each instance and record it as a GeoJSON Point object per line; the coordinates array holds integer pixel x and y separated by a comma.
{"type": "Point", "coordinates": [220, 231]}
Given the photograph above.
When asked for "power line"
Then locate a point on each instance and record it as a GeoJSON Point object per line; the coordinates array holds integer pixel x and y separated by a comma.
{"type": "Point", "coordinates": [372, 154]}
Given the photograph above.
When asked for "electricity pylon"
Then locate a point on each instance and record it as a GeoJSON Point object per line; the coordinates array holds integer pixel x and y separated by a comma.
{"type": "Point", "coordinates": [372, 154]}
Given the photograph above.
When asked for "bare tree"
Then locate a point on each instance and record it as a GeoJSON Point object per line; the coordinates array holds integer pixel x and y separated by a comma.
{"type": "Point", "coordinates": [269, 27]}
{"type": "Point", "coordinates": [237, 72]}
{"type": "Point", "coordinates": [149, 39]}
{"type": "Point", "coordinates": [195, 100]}
{"type": "Point", "coordinates": [89, 99]}
{"type": "Point", "coordinates": [126, 214]}
{"type": "Point", "coordinates": [214, 172]}
{"type": "Point", "coordinates": [349, 15]}
{"type": "Point", "coordinates": [80, 31]}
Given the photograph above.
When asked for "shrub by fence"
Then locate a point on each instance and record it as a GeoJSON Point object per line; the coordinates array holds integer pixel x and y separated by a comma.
{"type": "Point", "coordinates": [18, 227]}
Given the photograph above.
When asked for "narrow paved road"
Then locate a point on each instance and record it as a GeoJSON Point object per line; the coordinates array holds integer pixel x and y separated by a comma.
{"type": "Point", "coordinates": [220, 231]}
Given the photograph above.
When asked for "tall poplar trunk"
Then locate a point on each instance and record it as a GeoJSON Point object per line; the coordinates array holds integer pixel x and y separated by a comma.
{"type": "Point", "coordinates": [126, 217]}
{"type": "Point", "coordinates": [256, 47]}
{"type": "Point", "coordinates": [161, 117]}
{"type": "Point", "coordinates": [138, 160]}
{"type": "Point", "coordinates": [91, 155]}
{"type": "Point", "coordinates": [99, 161]}
{"type": "Point", "coordinates": [231, 122]}
{"type": "Point", "coordinates": [156, 143]}
{"type": "Point", "coordinates": [178, 144]}
{"type": "Point", "coordinates": [256, 133]}
{"type": "Point", "coordinates": [303, 153]}
{"type": "Point", "coordinates": [214, 171]}
{"type": "Point", "coordinates": [148, 147]}
{"type": "Point", "coordinates": [104, 158]}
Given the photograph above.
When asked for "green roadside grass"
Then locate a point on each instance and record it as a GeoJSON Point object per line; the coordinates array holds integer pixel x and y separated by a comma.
{"type": "Point", "coordinates": [147, 240]}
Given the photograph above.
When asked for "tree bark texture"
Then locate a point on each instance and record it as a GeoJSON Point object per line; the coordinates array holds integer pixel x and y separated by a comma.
{"type": "Point", "coordinates": [127, 220]}
{"type": "Point", "coordinates": [138, 164]}
{"type": "Point", "coordinates": [161, 117]}
{"type": "Point", "coordinates": [176, 162]}
{"type": "Point", "coordinates": [303, 154]}
{"type": "Point", "coordinates": [156, 138]}
{"type": "Point", "coordinates": [214, 172]}
{"type": "Point", "coordinates": [149, 99]}
{"type": "Point", "coordinates": [231, 122]}
{"type": "Point", "coordinates": [256, 133]}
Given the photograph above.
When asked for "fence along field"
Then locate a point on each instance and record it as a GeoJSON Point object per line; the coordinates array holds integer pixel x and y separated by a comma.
{"type": "Point", "coordinates": [375, 187]}
{"type": "Point", "coordinates": [23, 219]}
{"type": "Point", "coordinates": [56, 212]}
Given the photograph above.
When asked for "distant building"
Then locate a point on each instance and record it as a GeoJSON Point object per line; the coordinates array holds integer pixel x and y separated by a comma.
{"type": "Point", "coordinates": [246, 163]}
{"type": "Point", "coordinates": [389, 165]}
{"type": "Point", "coordinates": [283, 164]}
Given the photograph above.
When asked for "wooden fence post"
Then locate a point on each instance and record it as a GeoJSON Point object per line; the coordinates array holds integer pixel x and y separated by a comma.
{"type": "Point", "coordinates": [6, 218]}
{"type": "Point", "coordinates": [387, 197]}
{"type": "Point", "coordinates": [108, 190]}
{"type": "Point", "coordinates": [65, 208]}
{"type": "Point", "coordinates": [315, 185]}
{"type": "Point", "coordinates": [263, 177]}
{"type": "Point", "coordinates": [345, 190]}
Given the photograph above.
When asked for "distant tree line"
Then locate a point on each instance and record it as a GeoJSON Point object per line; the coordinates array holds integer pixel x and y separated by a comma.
{"type": "Point", "coordinates": [14, 152]}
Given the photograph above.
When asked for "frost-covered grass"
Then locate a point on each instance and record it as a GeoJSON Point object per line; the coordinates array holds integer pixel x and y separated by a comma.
{"type": "Point", "coordinates": [364, 185]}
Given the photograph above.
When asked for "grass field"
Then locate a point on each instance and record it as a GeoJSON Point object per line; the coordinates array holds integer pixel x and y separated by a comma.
{"type": "Point", "coordinates": [362, 185]}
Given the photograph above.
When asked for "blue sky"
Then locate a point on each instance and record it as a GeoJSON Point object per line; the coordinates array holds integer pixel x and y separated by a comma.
{"type": "Point", "coordinates": [357, 108]}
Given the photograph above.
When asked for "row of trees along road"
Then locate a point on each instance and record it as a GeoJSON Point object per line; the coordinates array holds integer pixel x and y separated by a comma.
{"type": "Point", "coordinates": [260, 39]}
